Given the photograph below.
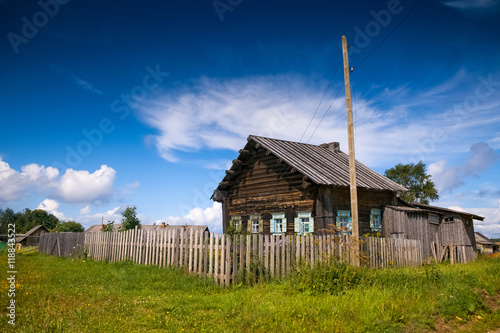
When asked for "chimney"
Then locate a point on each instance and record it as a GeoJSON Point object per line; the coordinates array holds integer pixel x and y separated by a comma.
{"type": "Point", "coordinates": [163, 224]}
{"type": "Point", "coordinates": [333, 146]}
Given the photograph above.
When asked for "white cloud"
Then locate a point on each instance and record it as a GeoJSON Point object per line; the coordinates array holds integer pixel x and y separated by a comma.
{"type": "Point", "coordinates": [490, 227]}
{"type": "Point", "coordinates": [472, 4]}
{"type": "Point", "coordinates": [51, 206]}
{"type": "Point", "coordinates": [13, 183]}
{"type": "Point", "coordinates": [85, 210]}
{"type": "Point", "coordinates": [86, 85]}
{"type": "Point", "coordinates": [74, 186]}
{"type": "Point", "coordinates": [220, 114]}
{"type": "Point", "coordinates": [210, 216]}
{"type": "Point", "coordinates": [83, 186]}
{"type": "Point", "coordinates": [447, 178]}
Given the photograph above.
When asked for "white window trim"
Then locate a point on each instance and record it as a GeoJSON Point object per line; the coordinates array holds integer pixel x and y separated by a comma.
{"type": "Point", "coordinates": [299, 226]}
{"type": "Point", "coordinates": [237, 219]}
{"type": "Point", "coordinates": [277, 216]}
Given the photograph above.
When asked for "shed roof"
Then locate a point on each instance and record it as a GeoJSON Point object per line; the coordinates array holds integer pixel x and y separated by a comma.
{"type": "Point", "coordinates": [30, 232]}
{"type": "Point", "coordinates": [482, 239]}
{"type": "Point", "coordinates": [322, 165]}
{"type": "Point", "coordinates": [435, 208]}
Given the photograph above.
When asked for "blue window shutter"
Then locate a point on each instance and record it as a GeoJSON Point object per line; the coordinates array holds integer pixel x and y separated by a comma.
{"type": "Point", "coordinates": [311, 225]}
{"type": "Point", "coordinates": [271, 226]}
{"type": "Point", "coordinates": [284, 226]}
{"type": "Point", "coordinates": [372, 222]}
{"type": "Point", "coordinates": [297, 224]}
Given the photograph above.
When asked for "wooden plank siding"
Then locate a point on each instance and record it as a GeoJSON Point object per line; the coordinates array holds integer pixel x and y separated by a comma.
{"type": "Point", "coordinates": [266, 187]}
{"type": "Point", "coordinates": [434, 236]}
{"type": "Point", "coordinates": [330, 199]}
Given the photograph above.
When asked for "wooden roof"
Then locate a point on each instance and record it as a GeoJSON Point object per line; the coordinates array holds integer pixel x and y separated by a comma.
{"type": "Point", "coordinates": [440, 210]}
{"type": "Point", "coordinates": [320, 164]}
{"type": "Point", "coordinates": [21, 237]}
{"type": "Point", "coordinates": [482, 239]}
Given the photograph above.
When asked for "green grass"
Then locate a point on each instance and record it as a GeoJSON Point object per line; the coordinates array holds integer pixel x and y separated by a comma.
{"type": "Point", "coordinates": [61, 295]}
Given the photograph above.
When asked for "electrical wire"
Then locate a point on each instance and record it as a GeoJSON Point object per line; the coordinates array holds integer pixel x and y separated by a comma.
{"type": "Point", "coordinates": [321, 101]}
{"type": "Point", "coordinates": [397, 26]}
{"type": "Point", "coordinates": [326, 112]}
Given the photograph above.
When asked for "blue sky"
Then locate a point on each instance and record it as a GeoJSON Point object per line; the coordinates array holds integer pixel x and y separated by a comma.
{"type": "Point", "coordinates": [109, 104]}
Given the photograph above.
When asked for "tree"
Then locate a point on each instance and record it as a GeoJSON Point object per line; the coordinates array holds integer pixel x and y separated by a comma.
{"type": "Point", "coordinates": [129, 219]}
{"type": "Point", "coordinates": [39, 216]}
{"type": "Point", "coordinates": [110, 226]}
{"type": "Point", "coordinates": [7, 217]}
{"type": "Point", "coordinates": [69, 226]}
{"type": "Point", "coordinates": [414, 177]}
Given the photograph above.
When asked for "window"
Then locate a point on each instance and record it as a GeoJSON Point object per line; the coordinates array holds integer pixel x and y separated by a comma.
{"type": "Point", "coordinates": [375, 220]}
{"type": "Point", "coordinates": [449, 219]}
{"type": "Point", "coordinates": [304, 223]}
{"type": "Point", "coordinates": [433, 218]}
{"type": "Point", "coordinates": [278, 224]}
{"type": "Point", "coordinates": [236, 222]}
{"type": "Point", "coordinates": [344, 221]}
{"type": "Point", "coordinates": [255, 224]}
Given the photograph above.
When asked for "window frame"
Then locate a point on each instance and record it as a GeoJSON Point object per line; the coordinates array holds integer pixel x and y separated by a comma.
{"type": "Point", "coordinates": [237, 225]}
{"type": "Point", "coordinates": [435, 218]}
{"type": "Point", "coordinates": [272, 223]}
{"type": "Point", "coordinates": [376, 226]}
{"type": "Point", "coordinates": [299, 225]}
{"type": "Point", "coordinates": [344, 213]}
{"type": "Point", "coordinates": [250, 224]}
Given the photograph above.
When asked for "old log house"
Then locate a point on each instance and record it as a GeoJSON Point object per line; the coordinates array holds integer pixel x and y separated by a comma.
{"type": "Point", "coordinates": [282, 187]}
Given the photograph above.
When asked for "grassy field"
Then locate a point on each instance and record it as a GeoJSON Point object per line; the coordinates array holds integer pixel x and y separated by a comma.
{"type": "Point", "coordinates": [62, 295]}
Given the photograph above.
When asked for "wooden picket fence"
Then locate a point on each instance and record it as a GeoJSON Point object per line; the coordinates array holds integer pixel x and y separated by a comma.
{"type": "Point", "coordinates": [244, 258]}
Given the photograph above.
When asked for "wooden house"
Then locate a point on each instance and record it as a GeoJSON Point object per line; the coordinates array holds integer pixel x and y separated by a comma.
{"type": "Point", "coordinates": [283, 187]}
{"type": "Point", "coordinates": [32, 237]}
{"type": "Point", "coordinates": [484, 244]}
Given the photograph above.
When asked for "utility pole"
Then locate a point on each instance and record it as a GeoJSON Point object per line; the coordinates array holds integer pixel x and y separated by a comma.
{"type": "Point", "coordinates": [352, 160]}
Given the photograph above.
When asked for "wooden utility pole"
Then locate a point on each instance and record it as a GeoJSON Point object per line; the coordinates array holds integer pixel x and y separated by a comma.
{"type": "Point", "coordinates": [352, 168]}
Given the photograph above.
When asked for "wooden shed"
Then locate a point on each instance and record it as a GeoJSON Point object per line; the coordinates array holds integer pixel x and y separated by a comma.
{"type": "Point", "coordinates": [32, 237]}
{"type": "Point", "coordinates": [436, 227]}
{"type": "Point", "coordinates": [484, 244]}
{"type": "Point", "coordinates": [284, 187]}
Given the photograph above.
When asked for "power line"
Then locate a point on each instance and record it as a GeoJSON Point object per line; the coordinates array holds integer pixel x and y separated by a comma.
{"type": "Point", "coordinates": [321, 101]}
{"type": "Point", "coordinates": [397, 26]}
{"type": "Point", "coordinates": [324, 115]}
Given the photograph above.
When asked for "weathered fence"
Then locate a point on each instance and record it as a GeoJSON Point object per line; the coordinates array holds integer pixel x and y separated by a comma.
{"type": "Point", "coordinates": [455, 253]}
{"type": "Point", "coordinates": [244, 257]}
{"type": "Point", "coordinates": [62, 244]}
